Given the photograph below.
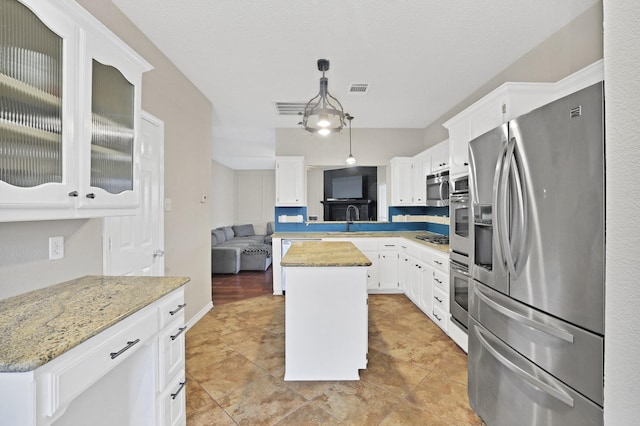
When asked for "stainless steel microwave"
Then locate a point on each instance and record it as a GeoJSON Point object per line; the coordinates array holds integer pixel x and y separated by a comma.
{"type": "Point", "coordinates": [438, 189]}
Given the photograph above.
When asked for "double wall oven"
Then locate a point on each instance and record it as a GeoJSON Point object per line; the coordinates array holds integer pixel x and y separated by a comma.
{"type": "Point", "coordinates": [459, 244]}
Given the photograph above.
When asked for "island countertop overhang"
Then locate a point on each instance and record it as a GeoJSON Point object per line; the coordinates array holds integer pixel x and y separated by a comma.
{"type": "Point", "coordinates": [324, 254]}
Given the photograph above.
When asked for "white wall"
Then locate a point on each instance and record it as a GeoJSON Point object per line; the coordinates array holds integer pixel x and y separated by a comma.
{"type": "Point", "coordinates": [222, 198]}
{"type": "Point", "coordinates": [255, 198]}
{"type": "Point", "coordinates": [622, 316]}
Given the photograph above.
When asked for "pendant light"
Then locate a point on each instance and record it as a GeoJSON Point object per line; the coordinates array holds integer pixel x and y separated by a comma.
{"type": "Point", "coordinates": [351, 160]}
{"type": "Point", "coordinates": [323, 114]}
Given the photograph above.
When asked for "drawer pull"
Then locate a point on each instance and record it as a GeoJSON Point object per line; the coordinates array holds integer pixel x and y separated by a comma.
{"type": "Point", "coordinates": [437, 262]}
{"type": "Point", "coordinates": [438, 299]}
{"type": "Point", "coordinates": [440, 281]}
{"type": "Point", "coordinates": [174, 395]}
{"type": "Point", "coordinates": [130, 344]}
{"type": "Point", "coordinates": [177, 309]}
{"type": "Point", "coordinates": [180, 331]}
{"type": "Point", "coordinates": [437, 317]}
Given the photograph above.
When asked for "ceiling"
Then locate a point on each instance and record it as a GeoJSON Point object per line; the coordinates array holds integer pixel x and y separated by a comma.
{"type": "Point", "coordinates": [420, 57]}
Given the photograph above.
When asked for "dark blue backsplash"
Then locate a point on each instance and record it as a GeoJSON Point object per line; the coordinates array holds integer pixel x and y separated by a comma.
{"type": "Point", "coordinates": [364, 226]}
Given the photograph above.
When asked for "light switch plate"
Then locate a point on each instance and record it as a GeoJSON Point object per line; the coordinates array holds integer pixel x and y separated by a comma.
{"type": "Point", "coordinates": [56, 248]}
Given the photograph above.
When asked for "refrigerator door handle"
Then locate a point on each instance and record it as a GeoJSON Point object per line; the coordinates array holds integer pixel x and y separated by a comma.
{"type": "Point", "coordinates": [503, 219]}
{"type": "Point", "coordinates": [533, 381]}
{"type": "Point", "coordinates": [497, 196]}
{"type": "Point", "coordinates": [536, 325]}
{"type": "Point", "coordinates": [523, 206]}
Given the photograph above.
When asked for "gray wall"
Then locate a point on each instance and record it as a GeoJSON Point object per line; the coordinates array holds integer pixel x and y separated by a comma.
{"type": "Point", "coordinates": [170, 96]}
{"type": "Point", "coordinates": [622, 313]}
{"type": "Point", "coordinates": [572, 48]}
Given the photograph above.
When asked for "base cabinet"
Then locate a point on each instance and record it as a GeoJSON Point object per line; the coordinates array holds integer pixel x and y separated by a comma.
{"type": "Point", "coordinates": [129, 374]}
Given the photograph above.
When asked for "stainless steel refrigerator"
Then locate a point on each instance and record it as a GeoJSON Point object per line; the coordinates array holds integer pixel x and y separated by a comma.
{"type": "Point", "coordinates": [536, 308]}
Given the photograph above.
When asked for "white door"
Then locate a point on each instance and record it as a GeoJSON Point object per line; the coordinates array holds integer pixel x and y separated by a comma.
{"type": "Point", "coordinates": [134, 245]}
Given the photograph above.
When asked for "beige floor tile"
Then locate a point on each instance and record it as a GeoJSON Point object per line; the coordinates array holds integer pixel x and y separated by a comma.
{"type": "Point", "coordinates": [308, 390]}
{"type": "Point", "coordinates": [261, 402]}
{"type": "Point", "coordinates": [444, 398]}
{"type": "Point", "coordinates": [197, 398]}
{"type": "Point", "coordinates": [223, 377]}
{"type": "Point", "coordinates": [309, 415]}
{"type": "Point", "coordinates": [357, 402]}
{"type": "Point", "coordinates": [406, 414]}
{"type": "Point", "coordinates": [392, 374]}
{"type": "Point", "coordinates": [210, 417]}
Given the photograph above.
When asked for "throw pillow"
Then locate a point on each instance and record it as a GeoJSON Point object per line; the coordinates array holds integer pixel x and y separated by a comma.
{"type": "Point", "coordinates": [228, 232]}
{"type": "Point", "coordinates": [214, 240]}
{"type": "Point", "coordinates": [219, 234]}
{"type": "Point", "coordinates": [243, 230]}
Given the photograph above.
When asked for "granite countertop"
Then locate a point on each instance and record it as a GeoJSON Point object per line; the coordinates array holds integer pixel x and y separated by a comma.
{"type": "Point", "coordinates": [38, 326]}
{"type": "Point", "coordinates": [324, 253]}
{"type": "Point", "coordinates": [409, 235]}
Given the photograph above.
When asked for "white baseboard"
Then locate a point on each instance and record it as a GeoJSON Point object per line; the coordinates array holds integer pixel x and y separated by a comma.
{"type": "Point", "coordinates": [199, 315]}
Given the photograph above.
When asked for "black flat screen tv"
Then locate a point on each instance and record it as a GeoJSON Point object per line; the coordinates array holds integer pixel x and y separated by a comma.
{"type": "Point", "coordinates": [347, 187]}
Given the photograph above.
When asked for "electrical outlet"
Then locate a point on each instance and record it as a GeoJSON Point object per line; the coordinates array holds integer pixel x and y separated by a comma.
{"type": "Point", "coordinates": [56, 248]}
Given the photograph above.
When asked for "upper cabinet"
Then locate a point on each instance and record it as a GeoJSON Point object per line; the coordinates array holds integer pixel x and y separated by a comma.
{"type": "Point", "coordinates": [69, 114]}
{"type": "Point", "coordinates": [404, 181]}
{"type": "Point", "coordinates": [290, 182]}
{"type": "Point", "coordinates": [439, 157]}
{"type": "Point", "coordinates": [506, 102]}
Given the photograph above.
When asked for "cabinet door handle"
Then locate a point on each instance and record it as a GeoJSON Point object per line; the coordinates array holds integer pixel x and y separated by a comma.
{"type": "Point", "coordinates": [180, 331]}
{"type": "Point", "coordinates": [177, 309]}
{"type": "Point", "coordinates": [130, 344]}
{"type": "Point", "coordinates": [438, 299]}
{"type": "Point", "coordinates": [73, 194]}
{"type": "Point", "coordinates": [437, 280]}
{"type": "Point", "coordinates": [91, 195]}
{"type": "Point", "coordinates": [174, 395]}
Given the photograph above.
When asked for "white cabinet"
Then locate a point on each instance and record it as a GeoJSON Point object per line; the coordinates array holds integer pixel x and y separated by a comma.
{"type": "Point", "coordinates": [134, 371]}
{"type": "Point", "coordinates": [388, 266]}
{"type": "Point", "coordinates": [290, 182]}
{"type": "Point", "coordinates": [368, 247]}
{"type": "Point", "coordinates": [504, 103]}
{"type": "Point", "coordinates": [402, 181]}
{"type": "Point", "coordinates": [68, 137]}
{"type": "Point", "coordinates": [439, 157]}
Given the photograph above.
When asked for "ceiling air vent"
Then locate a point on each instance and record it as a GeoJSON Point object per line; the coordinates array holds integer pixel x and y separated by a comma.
{"type": "Point", "coordinates": [289, 108]}
{"type": "Point", "coordinates": [359, 88]}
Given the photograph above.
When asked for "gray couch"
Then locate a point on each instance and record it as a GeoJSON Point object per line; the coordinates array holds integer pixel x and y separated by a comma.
{"type": "Point", "coordinates": [237, 248]}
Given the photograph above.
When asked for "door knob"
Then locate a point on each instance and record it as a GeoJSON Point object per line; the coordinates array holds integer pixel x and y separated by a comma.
{"type": "Point", "coordinates": [158, 253]}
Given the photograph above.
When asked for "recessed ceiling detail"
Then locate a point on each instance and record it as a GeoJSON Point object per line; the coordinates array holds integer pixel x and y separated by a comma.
{"type": "Point", "coordinates": [289, 108]}
{"type": "Point", "coordinates": [359, 88]}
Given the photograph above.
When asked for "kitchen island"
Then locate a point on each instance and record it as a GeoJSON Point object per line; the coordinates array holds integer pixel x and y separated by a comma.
{"type": "Point", "coordinates": [326, 314]}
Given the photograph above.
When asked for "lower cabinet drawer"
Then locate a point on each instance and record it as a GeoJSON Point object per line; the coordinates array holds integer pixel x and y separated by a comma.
{"type": "Point", "coordinates": [171, 353]}
{"type": "Point", "coordinates": [172, 403]}
{"type": "Point", "coordinates": [76, 373]}
{"type": "Point", "coordinates": [440, 299]}
{"type": "Point", "coordinates": [441, 318]}
{"type": "Point", "coordinates": [441, 280]}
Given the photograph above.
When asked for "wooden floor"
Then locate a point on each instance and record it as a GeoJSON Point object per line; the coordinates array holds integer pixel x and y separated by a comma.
{"type": "Point", "coordinates": [226, 288]}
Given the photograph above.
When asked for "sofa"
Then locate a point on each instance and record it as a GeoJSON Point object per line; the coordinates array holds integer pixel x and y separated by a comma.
{"type": "Point", "coordinates": [238, 248]}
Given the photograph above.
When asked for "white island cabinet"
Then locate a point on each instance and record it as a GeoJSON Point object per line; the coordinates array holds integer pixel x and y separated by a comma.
{"type": "Point", "coordinates": [95, 351]}
{"type": "Point", "coordinates": [326, 311]}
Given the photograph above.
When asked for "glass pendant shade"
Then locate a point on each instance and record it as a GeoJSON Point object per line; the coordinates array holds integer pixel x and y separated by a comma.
{"type": "Point", "coordinates": [323, 114]}
{"type": "Point", "coordinates": [351, 160]}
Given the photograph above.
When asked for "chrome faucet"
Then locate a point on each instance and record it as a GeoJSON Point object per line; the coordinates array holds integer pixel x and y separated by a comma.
{"type": "Point", "coordinates": [349, 207]}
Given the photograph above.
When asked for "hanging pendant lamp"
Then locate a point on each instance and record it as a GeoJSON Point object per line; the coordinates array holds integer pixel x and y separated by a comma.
{"type": "Point", "coordinates": [351, 160]}
{"type": "Point", "coordinates": [323, 114]}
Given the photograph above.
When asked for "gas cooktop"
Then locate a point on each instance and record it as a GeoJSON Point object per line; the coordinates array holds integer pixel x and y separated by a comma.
{"type": "Point", "coordinates": [434, 239]}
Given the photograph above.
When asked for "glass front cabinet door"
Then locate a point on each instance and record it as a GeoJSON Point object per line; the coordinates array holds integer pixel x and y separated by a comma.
{"type": "Point", "coordinates": [110, 148]}
{"type": "Point", "coordinates": [37, 70]}
{"type": "Point", "coordinates": [69, 113]}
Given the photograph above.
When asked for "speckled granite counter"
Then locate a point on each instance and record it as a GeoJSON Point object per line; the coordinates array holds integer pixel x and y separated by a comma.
{"type": "Point", "coordinates": [409, 235]}
{"type": "Point", "coordinates": [324, 253]}
{"type": "Point", "coordinates": [38, 326]}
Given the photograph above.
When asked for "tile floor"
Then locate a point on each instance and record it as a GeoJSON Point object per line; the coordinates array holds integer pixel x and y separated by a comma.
{"type": "Point", "coordinates": [235, 367]}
